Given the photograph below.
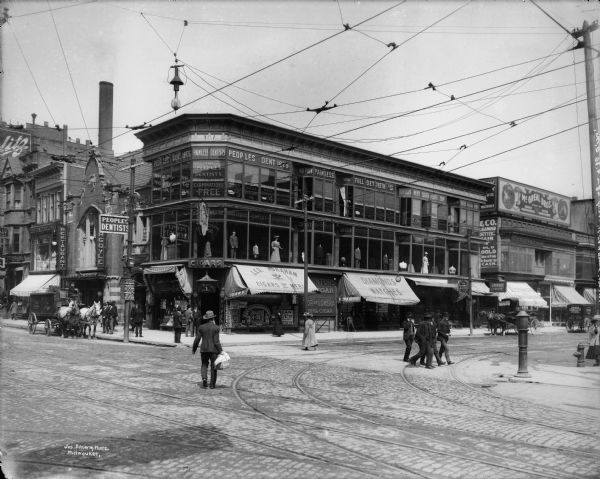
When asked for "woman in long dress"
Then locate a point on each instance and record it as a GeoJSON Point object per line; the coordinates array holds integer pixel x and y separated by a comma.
{"type": "Point", "coordinates": [594, 340]}
{"type": "Point", "coordinates": [309, 340]}
{"type": "Point", "coordinates": [275, 247]}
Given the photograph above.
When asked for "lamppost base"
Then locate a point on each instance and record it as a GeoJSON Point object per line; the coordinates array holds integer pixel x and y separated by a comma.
{"type": "Point", "coordinates": [522, 375]}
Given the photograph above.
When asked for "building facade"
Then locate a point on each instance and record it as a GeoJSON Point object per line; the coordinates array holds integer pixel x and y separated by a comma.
{"type": "Point", "coordinates": [532, 247]}
{"type": "Point", "coordinates": [227, 207]}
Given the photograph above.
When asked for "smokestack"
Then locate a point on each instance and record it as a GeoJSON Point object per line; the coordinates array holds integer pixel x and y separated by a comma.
{"type": "Point", "coordinates": [105, 116]}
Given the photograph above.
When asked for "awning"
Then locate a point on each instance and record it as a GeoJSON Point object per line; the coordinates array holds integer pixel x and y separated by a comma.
{"type": "Point", "coordinates": [563, 296]}
{"type": "Point", "coordinates": [35, 282]}
{"type": "Point", "coordinates": [525, 294]}
{"type": "Point", "coordinates": [432, 282]}
{"type": "Point", "coordinates": [479, 288]}
{"type": "Point", "coordinates": [244, 279]}
{"type": "Point", "coordinates": [590, 295]}
{"type": "Point", "coordinates": [181, 274]}
{"type": "Point", "coordinates": [376, 288]}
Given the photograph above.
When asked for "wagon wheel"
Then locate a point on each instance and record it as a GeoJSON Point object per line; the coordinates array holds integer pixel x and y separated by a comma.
{"type": "Point", "coordinates": [31, 323]}
{"type": "Point", "coordinates": [48, 327]}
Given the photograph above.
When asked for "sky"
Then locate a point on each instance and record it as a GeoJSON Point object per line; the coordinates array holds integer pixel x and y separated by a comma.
{"type": "Point", "coordinates": [477, 88]}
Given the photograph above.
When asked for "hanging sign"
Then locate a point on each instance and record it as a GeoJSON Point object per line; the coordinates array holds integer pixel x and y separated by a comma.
{"type": "Point", "coordinates": [114, 224]}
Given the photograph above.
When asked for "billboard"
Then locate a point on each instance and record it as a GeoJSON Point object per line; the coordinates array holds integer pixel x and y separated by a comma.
{"type": "Point", "coordinates": [523, 200]}
{"type": "Point", "coordinates": [14, 144]}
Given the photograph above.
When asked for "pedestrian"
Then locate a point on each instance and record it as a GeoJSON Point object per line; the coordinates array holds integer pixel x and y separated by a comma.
{"type": "Point", "coordinates": [189, 321]}
{"type": "Point", "coordinates": [424, 336]}
{"type": "Point", "coordinates": [408, 335]}
{"type": "Point", "coordinates": [277, 325]}
{"type": "Point", "coordinates": [594, 341]}
{"type": "Point", "coordinates": [210, 348]}
{"type": "Point", "coordinates": [309, 339]}
{"type": "Point", "coordinates": [12, 311]}
{"type": "Point", "coordinates": [196, 318]}
{"type": "Point", "coordinates": [434, 349]}
{"type": "Point", "coordinates": [443, 336]}
{"type": "Point", "coordinates": [350, 323]}
{"type": "Point", "coordinates": [177, 323]}
{"type": "Point", "coordinates": [136, 316]}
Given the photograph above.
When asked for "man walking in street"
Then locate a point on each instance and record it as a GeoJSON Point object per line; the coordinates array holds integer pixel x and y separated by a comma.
{"type": "Point", "coordinates": [408, 335]}
{"type": "Point", "coordinates": [443, 336]}
{"type": "Point", "coordinates": [177, 323]}
{"type": "Point", "coordinates": [210, 348]}
{"type": "Point", "coordinates": [137, 318]}
{"type": "Point", "coordinates": [189, 321]}
{"type": "Point", "coordinates": [425, 335]}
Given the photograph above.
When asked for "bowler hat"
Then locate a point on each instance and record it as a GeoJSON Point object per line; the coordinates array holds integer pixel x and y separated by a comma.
{"type": "Point", "coordinates": [209, 315]}
{"type": "Point", "coordinates": [427, 316]}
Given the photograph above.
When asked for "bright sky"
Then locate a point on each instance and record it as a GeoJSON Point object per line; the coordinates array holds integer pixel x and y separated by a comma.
{"type": "Point", "coordinates": [501, 61]}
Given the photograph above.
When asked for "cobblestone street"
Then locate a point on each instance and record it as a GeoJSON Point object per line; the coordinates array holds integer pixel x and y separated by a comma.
{"type": "Point", "coordinates": [90, 408]}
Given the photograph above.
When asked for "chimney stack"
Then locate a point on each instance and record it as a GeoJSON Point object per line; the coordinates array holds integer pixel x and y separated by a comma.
{"type": "Point", "coordinates": [105, 116]}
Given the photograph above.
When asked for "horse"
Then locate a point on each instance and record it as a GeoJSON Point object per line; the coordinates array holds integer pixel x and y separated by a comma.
{"type": "Point", "coordinates": [69, 319]}
{"type": "Point", "coordinates": [88, 317]}
{"type": "Point", "coordinates": [495, 321]}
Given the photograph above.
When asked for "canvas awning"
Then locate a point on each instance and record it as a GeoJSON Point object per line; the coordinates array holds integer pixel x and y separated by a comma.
{"type": "Point", "coordinates": [35, 282]}
{"type": "Point", "coordinates": [377, 288]}
{"type": "Point", "coordinates": [181, 275]}
{"type": "Point", "coordinates": [525, 294]}
{"type": "Point", "coordinates": [563, 296]}
{"type": "Point", "coordinates": [245, 279]}
{"type": "Point", "coordinates": [432, 282]}
{"type": "Point", "coordinates": [590, 295]}
{"type": "Point", "coordinates": [479, 288]}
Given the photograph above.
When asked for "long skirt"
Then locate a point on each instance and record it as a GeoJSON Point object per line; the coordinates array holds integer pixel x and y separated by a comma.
{"type": "Point", "coordinates": [593, 352]}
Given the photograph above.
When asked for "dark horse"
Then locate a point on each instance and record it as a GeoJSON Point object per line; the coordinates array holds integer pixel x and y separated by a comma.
{"type": "Point", "coordinates": [498, 321]}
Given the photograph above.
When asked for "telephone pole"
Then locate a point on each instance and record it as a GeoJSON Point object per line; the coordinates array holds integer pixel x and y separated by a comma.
{"type": "Point", "coordinates": [594, 136]}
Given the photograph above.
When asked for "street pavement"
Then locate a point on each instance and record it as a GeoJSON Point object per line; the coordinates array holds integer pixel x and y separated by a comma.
{"type": "Point", "coordinates": [350, 409]}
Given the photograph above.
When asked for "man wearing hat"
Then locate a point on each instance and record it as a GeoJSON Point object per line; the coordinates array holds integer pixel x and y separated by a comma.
{"type": "Point", "coordinates": [177, 323]}
{"type": "Point", "coordinates": [425, 336]}
{"type": "Point", "coordinates": [210, 348]}
{"type": "Point", "coordinates": [593, 333]}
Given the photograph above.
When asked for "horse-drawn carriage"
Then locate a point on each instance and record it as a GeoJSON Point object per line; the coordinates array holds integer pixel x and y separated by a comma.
{"type": "Point", "coordinates": [61, 315]}
{"type": "Point", "coordinates": [499, 323]}
{"type": "Point", "coordinates": [43, 307]}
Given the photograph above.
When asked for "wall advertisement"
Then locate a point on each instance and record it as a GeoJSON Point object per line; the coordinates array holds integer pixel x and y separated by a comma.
{"type": "Point", "coordinates": [488, 255]}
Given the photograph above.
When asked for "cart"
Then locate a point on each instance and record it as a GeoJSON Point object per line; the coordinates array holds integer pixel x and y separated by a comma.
{"type": "Point", "coordinates": [43, 308]}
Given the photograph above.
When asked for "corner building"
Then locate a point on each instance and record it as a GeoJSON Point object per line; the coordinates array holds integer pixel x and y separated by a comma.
{"type": "Point", "coordinates": [227, 228]}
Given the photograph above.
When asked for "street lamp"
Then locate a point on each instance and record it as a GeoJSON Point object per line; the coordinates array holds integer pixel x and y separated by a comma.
{"type": "Point", "coordinates": [176, 82]}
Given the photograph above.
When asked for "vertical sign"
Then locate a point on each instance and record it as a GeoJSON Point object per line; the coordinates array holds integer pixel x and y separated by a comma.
{"type": "Point", "coordinates": [100, 251]}
{"type": "Point", "coordinates": [61, 264]}
{"type": "Point", "coordinates": [596, 196]}
{"type": "Point", "coordinates": [488, 254]}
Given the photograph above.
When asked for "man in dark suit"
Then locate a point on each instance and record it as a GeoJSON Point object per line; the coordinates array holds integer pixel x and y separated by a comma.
{"type": "Point", "coordinates": [210, 348]}
{"type": "Point", "coordinates": [425, 336]}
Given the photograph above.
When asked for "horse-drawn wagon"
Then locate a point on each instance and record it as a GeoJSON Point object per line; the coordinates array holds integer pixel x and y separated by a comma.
{"type": "Point", "coordinates": [43, 309]}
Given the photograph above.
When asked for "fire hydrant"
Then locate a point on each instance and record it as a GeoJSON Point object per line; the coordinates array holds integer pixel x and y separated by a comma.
{"type": "Point", "coordinates": [580, 355]}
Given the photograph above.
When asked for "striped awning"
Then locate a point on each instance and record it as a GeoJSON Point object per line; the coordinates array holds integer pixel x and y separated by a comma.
{"type": "Point", "coordinates": [563, 296]}
{"type": "Point", "coordinates": [522, 292]}
{"type": "Point", "coordinates": [35, 282]}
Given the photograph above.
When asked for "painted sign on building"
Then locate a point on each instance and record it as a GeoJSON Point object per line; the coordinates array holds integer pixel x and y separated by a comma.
{"type": "Point", "coordinates": [13, 144]}
{"type": "Point", "coordinates": [322, 303]}
{"type": "Point", "coordinates": [61, 261]}
{"type": "Point", "coordinates": [488, 254]}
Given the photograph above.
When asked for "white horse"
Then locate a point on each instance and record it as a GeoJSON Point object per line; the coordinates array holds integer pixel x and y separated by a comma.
{"type": "Point", "coordinates": [89, 317]}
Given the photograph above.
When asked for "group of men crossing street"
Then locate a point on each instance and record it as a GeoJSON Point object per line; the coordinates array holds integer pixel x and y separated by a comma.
{"type": "Point", "coordinates": [426, 334]}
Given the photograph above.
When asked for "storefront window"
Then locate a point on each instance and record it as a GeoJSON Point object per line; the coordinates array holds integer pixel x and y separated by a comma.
{"type": "Point", "coordinates": [380, 206]}
{"type": "Point", "coordinates": [45, 253]}
{"type": "Point", "coordinates": [235, 172]}
{"type": "Point", "coordinates": [369, 202]}
{"type": "Point", "coordinates": [358, 200]}
{"type": "Point", "coordinates": [156, 184]}
{"type": "Point", "coordinates": [284, 183]}
{"type": "Point", "coordinates": [405, 211]}
{"type": "Point", "coordinates": [375, 256]}
{"type": "Point", "coordinates": [186, 176]}
{"type": "Point", "coordinates": [251, 182]}
{"type": "Point", "coordinates": [328, 196]}
{"type": "Point", "coordinates": [267, 185]}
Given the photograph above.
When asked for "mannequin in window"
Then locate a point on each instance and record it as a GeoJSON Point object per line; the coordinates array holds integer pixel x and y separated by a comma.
{"type": "Point", "coordinates": [207, 250]}
{"type": "Point", "coordinates": [163, 250]}
{"type": "Point", "coordinates": [233, 243]}
{"type": "Point", "coordinates": [275, 247]}
{"type": "Point", "coordinates": [343, 261]}
{"type": "Point", "coordinates": [357, 257]}
{"type": "Point", "coordinates": [425, 266]}
{"type": "Point", "coordinates": [452, 270]}
{"type": "Point", "coordinates": [320, 254]}
{"type": "Point", "coordinates": [385, 261]}
{"type": "Point", "coordinates": [255, 251]}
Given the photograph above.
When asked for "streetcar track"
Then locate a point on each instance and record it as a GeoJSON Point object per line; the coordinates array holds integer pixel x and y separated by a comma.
{"type": "Point", "coordinates": [300, 455]}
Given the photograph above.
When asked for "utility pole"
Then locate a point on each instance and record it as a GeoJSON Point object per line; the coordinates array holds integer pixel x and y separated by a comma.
{"type": "Point", "coordinates": [470, 290]}
{"type": "Point", "coordinates": [3, 19]}
{"type": "Point", "coordinates": [594, 138]}
{"type": "Point", "coordinates": [305, 199]}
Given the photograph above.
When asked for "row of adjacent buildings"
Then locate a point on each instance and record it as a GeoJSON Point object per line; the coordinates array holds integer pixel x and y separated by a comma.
{"type": "Point", "coordinates": [225, 211]}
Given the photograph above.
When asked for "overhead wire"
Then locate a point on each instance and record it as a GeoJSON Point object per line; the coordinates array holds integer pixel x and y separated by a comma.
{"type": "Point", "coordinates": [69, 71]}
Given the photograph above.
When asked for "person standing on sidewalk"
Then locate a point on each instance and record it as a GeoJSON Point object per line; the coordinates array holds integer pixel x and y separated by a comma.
{"type": "Point", "coordinates": [408, 335]}
{"type": "Point", "coordinates": [443, 336]}
{"type": "Point", "coordinates": [189, 321]}
{"type": "Point", "coordinates": [137, 318]}
{"type": "Point", "coordinates": [594, 337]}
{"type": "Point", "coordinates": [12, 311]}
{"type": "Point", "coordinates": [210, 348]}
{"type": "Point", "coordinates": [177, 323]}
